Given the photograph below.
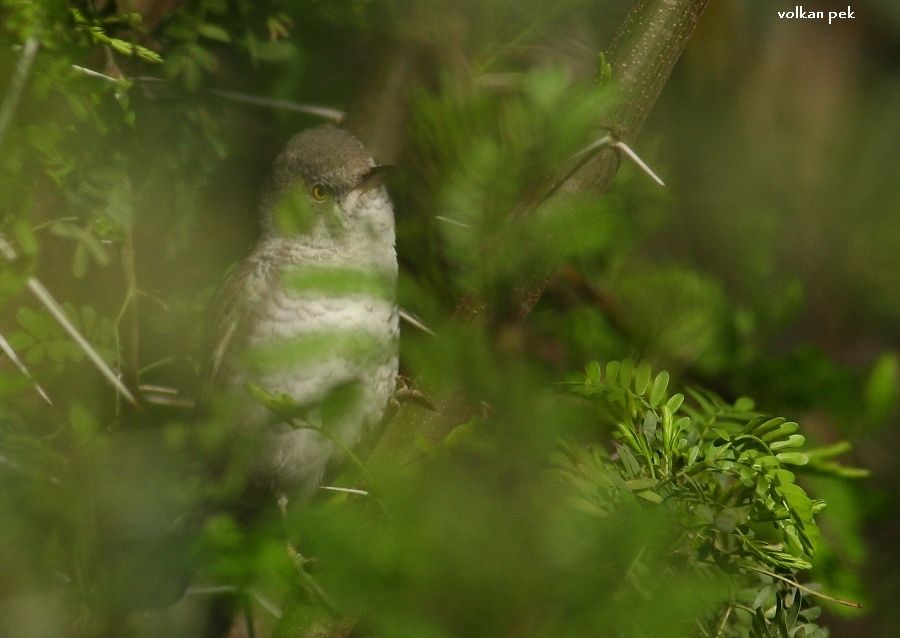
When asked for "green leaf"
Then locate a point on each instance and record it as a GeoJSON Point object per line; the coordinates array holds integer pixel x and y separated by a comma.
{"type": "Point", "coordinates": [640, 484]}
{"type": "Point", "coordinates": [829, 451]}
{"type": "Point", "coordinates": [659, 388]}
{"type": "Point", "coordinates": [642, 378]}
{"type": "Point", "coordinates": [148, 55]}
{"type": "Point", "coordinates": [604, 70]}
{"type": "Point", "coordinates": [214, 32]}
{"type": "Point", "coordinates": [592, 373]}
{"type": "Point", "coordinates": [784, 430]}
{"type": "Point", "coordinates": [792, 458]}
{"type": "Point", "coordinates": [626, 370]}
{"type": "Point", "coordinates": [674, 403]}
{"type": "Point", "coordinates": [767, 426]}
{"type": "Point", "coordinates": [273, 51]}
{"type": "Point", "coordinates": [612, 371]}
{"type": "Point", "coordinates": [793, 441]}
{"type": "Point", "coordinates": [653, 497]}
{"type": "Point", "coordinates": [203, 58]}
{"type": "Point", "coordinates": [882, 388]}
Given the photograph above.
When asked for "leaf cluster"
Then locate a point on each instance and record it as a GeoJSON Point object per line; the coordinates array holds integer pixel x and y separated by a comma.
{"type": "Point", "coordinates": [726, 472]}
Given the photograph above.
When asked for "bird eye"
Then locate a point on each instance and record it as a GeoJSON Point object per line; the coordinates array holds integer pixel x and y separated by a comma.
{"type": "Point", "coordinates": [320, 192]}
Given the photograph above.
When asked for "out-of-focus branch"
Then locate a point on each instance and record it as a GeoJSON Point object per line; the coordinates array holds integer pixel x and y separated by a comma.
{"type": "Point", "coordinates": [14, 93]}
{"type": "Point", "coordinates": [378, 113]}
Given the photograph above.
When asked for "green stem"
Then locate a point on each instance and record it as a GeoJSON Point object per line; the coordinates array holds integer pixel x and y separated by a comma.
{"type": "Point", "coordinates": [811, 592]}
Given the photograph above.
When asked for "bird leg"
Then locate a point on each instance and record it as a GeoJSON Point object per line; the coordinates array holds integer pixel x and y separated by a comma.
{"type": "Point", "coordinates": [300, 561]}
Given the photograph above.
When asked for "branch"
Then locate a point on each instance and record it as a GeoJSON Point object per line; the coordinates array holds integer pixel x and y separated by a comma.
{"type": "Point", "coordinates": [642, 55]}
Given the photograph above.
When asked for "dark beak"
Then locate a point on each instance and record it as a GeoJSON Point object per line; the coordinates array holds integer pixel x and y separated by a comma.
{"type": "Point", "coordinates": [374, 178]}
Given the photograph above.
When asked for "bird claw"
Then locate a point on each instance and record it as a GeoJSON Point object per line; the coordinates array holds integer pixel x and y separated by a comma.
{"type": "Point", "coordinates": [406, 393]}
{"type": "Point", "coordinates": [417, 397]}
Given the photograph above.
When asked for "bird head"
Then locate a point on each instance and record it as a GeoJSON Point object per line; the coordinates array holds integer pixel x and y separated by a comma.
{"type": "Point", "coordinates": [325, 185]}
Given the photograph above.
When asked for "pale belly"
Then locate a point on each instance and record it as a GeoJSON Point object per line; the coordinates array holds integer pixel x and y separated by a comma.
{"type": "Point", "coordinates": [336, 357]}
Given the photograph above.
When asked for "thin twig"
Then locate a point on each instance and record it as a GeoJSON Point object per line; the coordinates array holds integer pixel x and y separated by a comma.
{"type": "Point", "coordinates": [170, 402]}
{"type": "Point", "coordinates": [159, 389]}
{"type": "Point", "coordinates": [266, 604]}
{"type": "Point", "coordinates": [452, 222]}
{"type": "Point", "coordinates": [155, 364]}
{"type": "Point", "coordinates": [325, 112]}
{"type": "Point", "coordinates": [212, 590]}
{"type": "Point", "coordinates": [43, 295]}
{"type": "Point", "coordinates": [345, 490]}
{"type": "Point", "coordinates": [91, 73]}
{"type": "Point", "coordinates": [415, 322]}
{"type": "Point", "coordinates": [57, 312]}
{"type": "Point", "coordinates": [129, 304]}
{"type": "Point", "coordinates": [14, 94]}
{"type": "Point", "coordinates": [725, 618]}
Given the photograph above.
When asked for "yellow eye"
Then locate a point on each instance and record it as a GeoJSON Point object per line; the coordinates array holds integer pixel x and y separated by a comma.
{"type": "Point", "coordinates": [320, 192]}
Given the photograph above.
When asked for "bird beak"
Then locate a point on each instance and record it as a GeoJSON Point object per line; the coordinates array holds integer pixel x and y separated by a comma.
{"type": "Point", "coordinates": [374, 178]}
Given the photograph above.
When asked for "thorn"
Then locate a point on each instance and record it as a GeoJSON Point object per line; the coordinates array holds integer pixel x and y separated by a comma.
{"type": "Point", "coordinates": [606, 140]}
{"type": "Point", "coordinates": [452, 222]}
{"type": "Point", "coordinates": [91, 73]}
{"type": "Point", "coordinates": [609, 140]}
{"type": "Point", "coordinates": [266, 604]}
{"type": "Point", "coordinates": [161, 389]}
{"type": "Point", "coordinates": [415, 322]}
{"type": "Point", "coordinates": [7, 349]}
{"type": "Point", "coordinates": [347, 490]}
{"type": "Point", "coordinates": [169, 402]}
{"type": "Point", "coordinates": [622, 146]}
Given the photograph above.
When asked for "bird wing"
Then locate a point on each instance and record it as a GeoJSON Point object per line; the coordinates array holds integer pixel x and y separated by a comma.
{"type": "Point", "coordinates": [233, 305]}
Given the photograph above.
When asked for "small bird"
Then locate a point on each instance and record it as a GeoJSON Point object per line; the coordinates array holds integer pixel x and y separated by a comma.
{"type": "Point", "coordinates": [310, 316]}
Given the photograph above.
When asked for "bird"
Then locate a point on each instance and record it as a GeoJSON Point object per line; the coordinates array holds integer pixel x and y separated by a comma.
{"type": "Point", "coordinates": [310, 316]}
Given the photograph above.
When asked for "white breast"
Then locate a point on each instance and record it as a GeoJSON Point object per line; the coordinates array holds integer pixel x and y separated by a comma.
{"type": "Point", "coordinates": [307, 344]}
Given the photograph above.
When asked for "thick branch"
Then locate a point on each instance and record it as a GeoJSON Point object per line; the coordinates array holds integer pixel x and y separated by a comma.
{"type": "Point", "coordinates": [642, 55]}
